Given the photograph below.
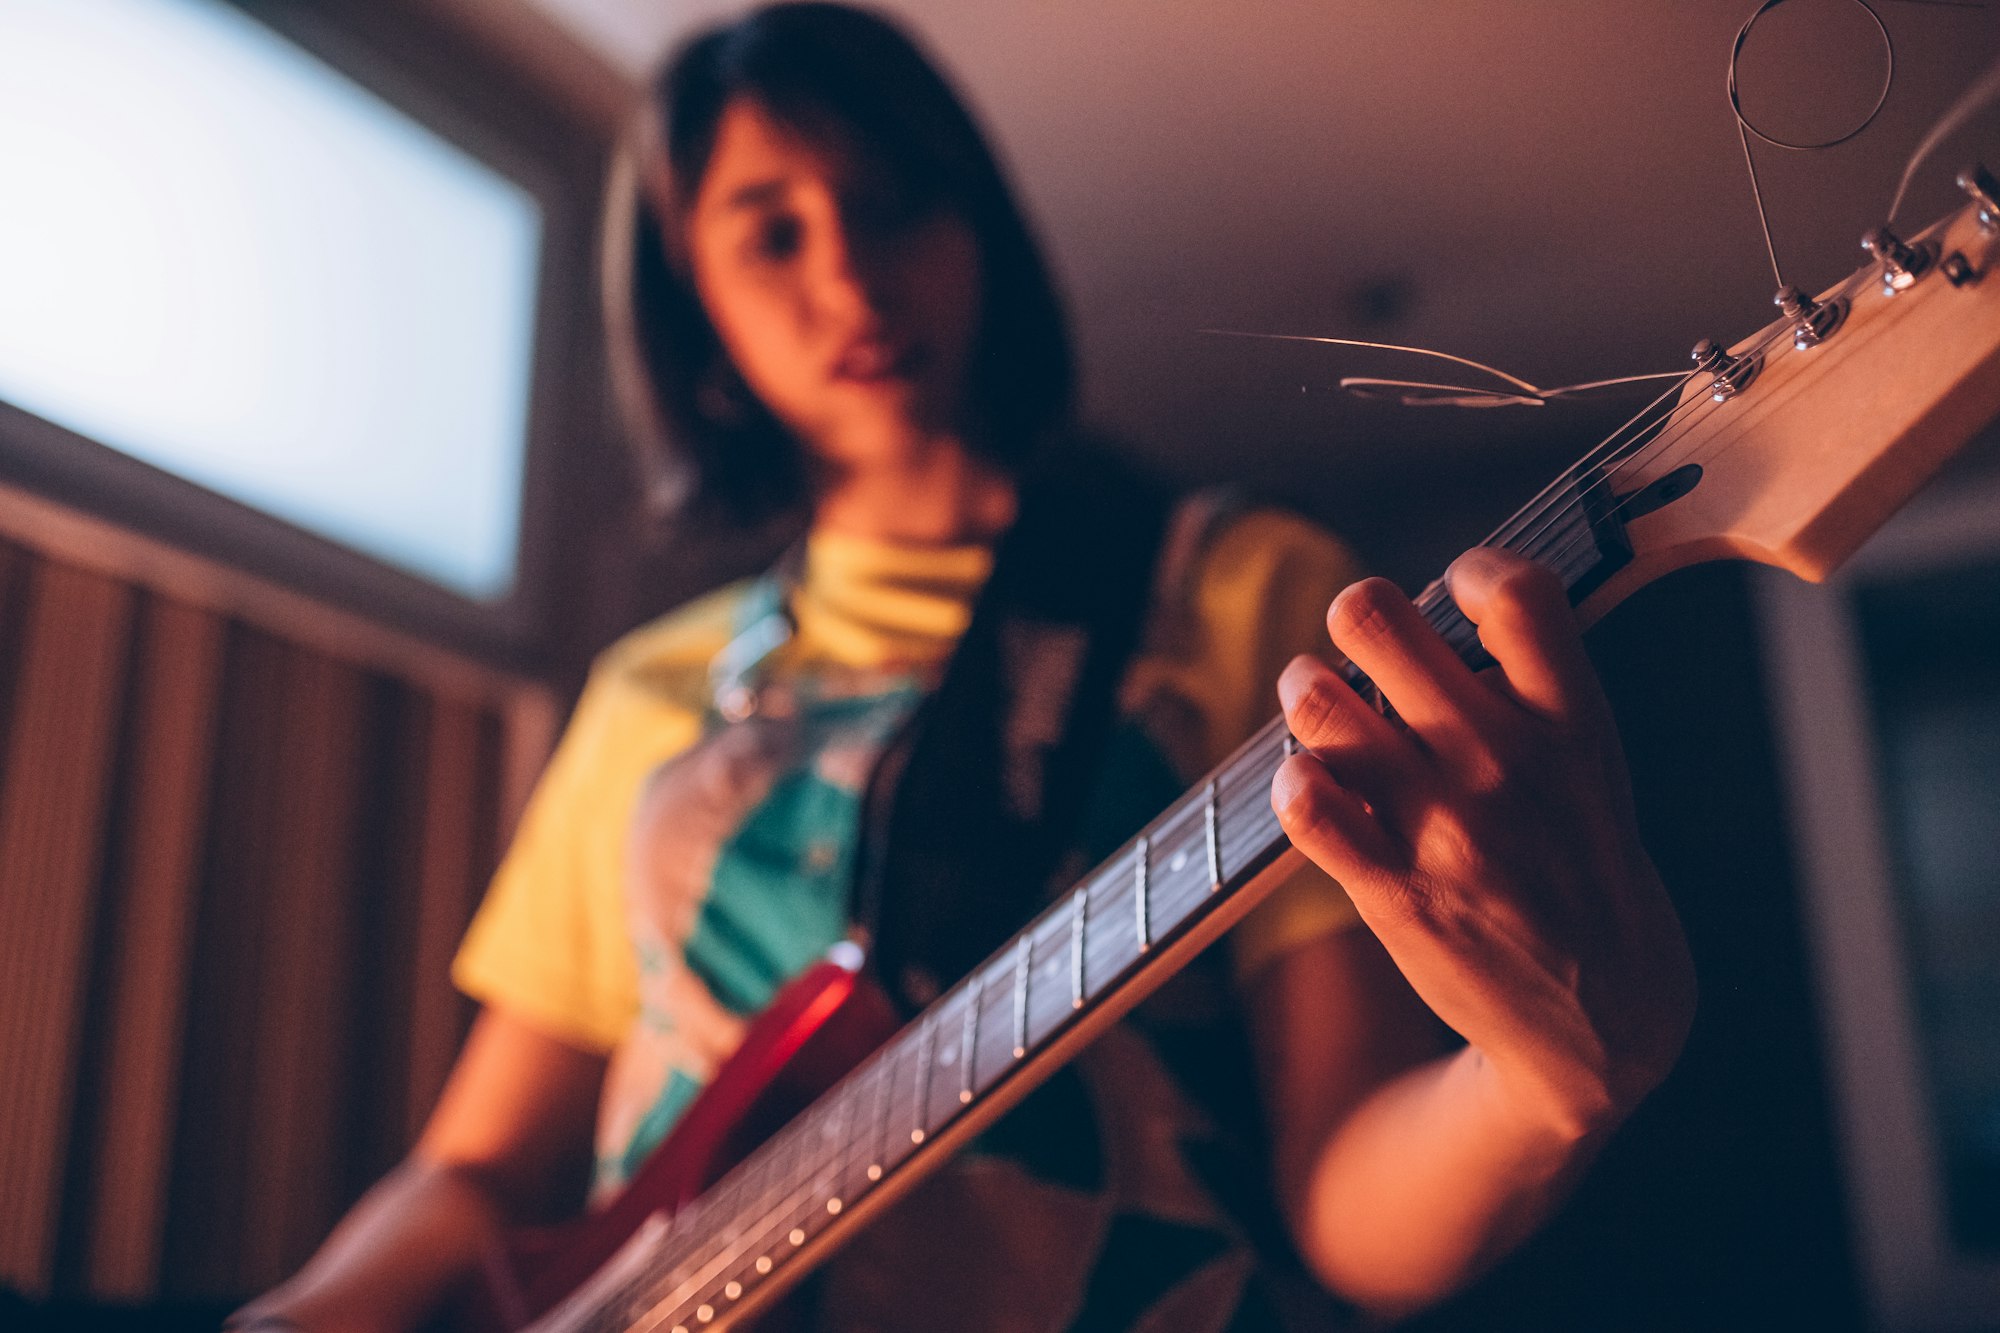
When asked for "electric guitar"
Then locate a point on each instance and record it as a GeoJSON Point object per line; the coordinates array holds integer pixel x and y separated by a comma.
{"type": "Point", "coordinates": [1788, 448]}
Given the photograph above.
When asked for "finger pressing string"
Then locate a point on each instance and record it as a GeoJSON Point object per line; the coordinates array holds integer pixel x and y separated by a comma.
{"type": "Point", "coordinates": [1526, 623]}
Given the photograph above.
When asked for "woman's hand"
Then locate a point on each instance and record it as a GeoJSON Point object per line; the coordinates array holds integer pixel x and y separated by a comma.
{"type": "Point", "coordinates": [1489, 843]}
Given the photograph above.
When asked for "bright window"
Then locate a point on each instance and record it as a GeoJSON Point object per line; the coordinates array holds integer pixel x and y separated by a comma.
{"type": "Point", "coordinates": [223, 257]}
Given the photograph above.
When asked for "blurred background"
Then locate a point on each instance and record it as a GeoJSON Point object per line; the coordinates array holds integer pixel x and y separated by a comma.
{"type": "Point", "coordinates": [313, 511]}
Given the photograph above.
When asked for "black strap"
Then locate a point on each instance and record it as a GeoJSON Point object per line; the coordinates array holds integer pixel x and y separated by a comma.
{"type": "Point", "coordinates": [973, 805]}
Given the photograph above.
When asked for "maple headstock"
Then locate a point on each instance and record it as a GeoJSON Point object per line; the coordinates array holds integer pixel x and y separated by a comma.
{"type": "Point", "coordinates": [1813, 447]}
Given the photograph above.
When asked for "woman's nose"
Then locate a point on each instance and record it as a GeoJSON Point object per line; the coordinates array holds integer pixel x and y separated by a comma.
{"type": "Point", "coordinates": [848, 287]}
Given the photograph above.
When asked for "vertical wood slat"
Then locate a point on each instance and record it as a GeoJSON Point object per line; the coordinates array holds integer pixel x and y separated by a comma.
{"type": "Point", "coordinates": [57, 780]}
{"type": "Point", "coordinates": [308, 960]}
{"type": "Point", "coordinates": [209, 1189]}
{"type": "Point", "coordinates": [450, 872]}
{"type": "Point", "coordinates": [146, 969]}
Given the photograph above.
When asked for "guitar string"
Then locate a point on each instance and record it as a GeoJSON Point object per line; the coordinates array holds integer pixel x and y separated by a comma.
{"type": "Point", "coordinates": [682, 1242]}
{"type": "Point", "coordinates": [803, 1203]}
{"type": "Point", "coordinates": [1607, 452]}
{"type": "Point", "coordinates": [1984, 89]}
{"type": "Point", "coordinates": [787, 1205]}
{"type": "Point", "coordinates": [1109, 897]}
{"type": "Point", "coordinates": [788, 1209]}
{"type": "Point", "coordinates": [1537, 507]}
{"type": "Point", "coordinates": [1514, 530]}
{"type": "Point", "coordinates": [664, 1279]}
{"type": "Point", "coordinates": [1525, 540]}
{"type": "Point", "coordinates": [1668, 438]}
{"type": "Point", "coordinates": [1696, 410]}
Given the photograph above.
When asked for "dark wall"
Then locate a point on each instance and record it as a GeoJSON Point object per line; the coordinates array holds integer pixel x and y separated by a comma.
{"type": "Point", "coordinates": [1719, 1206]}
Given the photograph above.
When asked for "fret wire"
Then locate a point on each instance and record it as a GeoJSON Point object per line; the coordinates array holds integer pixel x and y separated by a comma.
{"type": "Point", "coordinates": [970, 1037]}
{"type": "Point", "coordinates": [993, 1050]}
{"type": "Point", "coordinates": [1079, 904]}
{"type": "Point", "coordinates": [1023, 965]}
{"type": "Point", "coordinates": [1139, 895]}
{"type": "Point", "coordinates": [834, 1134]}
{"type": "Point", "coordinates": [1214, 848]}
{"type": "Point", "coordinates": [921, 1130]}
{"type": "Point", "coordinates": [881, 1080]}
{"type": "Point", "coordinates": [814, 1158]}
{"type": "Point", "coordinates": [941, 1095]}
{"type": "Point", "coordinates": [853, 1139]}
{"type": "Point", "coordinates": [895, 1143]}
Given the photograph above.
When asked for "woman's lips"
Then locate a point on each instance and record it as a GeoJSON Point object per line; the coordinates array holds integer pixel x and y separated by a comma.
{"type": "Point", "coordinates": [872, 360]}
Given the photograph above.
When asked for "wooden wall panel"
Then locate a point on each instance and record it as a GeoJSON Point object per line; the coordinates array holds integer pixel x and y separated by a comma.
{"type": "Point", "coordinates": [238, 843]}
{"type": "Point", "coordinates": [152, 897]}
{"type": "Point", "coordinates": [54, 791]}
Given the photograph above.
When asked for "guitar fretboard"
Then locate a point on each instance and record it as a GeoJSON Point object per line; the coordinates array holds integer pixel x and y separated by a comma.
{"type": "Point", "coordinates": [1086, 948]}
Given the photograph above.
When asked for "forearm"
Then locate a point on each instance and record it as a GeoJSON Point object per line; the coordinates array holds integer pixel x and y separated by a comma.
{"type": "Point", "coordinates": [1430, 1179]}
{"type": "Point", "coordinates": [410, 1241]}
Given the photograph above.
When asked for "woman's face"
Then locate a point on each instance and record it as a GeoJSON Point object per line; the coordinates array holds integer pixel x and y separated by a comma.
{"type": "Point", "coordinates": [848, 307]}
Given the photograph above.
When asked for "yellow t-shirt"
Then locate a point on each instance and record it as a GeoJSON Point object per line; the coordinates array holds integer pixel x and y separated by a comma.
{"type": "Point", "coordinates": [553, 943]}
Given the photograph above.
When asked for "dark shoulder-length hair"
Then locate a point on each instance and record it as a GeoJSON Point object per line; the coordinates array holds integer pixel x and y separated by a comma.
{"type": "Point", "coordinates": [825, 71]}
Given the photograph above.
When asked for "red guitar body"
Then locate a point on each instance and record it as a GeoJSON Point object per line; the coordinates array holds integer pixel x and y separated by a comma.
{"type": "Point", "coordinates": [821, 1025]}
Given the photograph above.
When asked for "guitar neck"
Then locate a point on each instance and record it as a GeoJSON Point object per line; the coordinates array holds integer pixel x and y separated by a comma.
{"type": "Point", "coordinates": [974, 1052]}
{"type": "Point", "coordinates": [1778, 449]}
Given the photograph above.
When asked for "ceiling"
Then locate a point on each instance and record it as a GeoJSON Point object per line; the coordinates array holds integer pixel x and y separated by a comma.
{"type": "Point", "coordinates": [1556, 188]}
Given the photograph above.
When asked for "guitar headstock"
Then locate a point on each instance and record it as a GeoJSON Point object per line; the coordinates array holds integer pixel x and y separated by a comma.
{"type": "Point", "coordinates": [1805, 448]}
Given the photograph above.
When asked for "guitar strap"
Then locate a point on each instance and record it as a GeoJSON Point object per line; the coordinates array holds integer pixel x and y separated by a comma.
{"type": "Point", "coordinates": [972, 806]}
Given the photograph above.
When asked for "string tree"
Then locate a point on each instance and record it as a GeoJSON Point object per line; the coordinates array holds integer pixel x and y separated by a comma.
{"type": "Point", "coordinates": [1902, 263]}
{"type": "Point", "coordinates": [1813, 322]}
{"type": "Point", "coordinates": [1733, 374]}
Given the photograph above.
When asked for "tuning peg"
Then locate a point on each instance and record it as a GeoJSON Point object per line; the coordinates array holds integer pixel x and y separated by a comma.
{"type": "Point", "coordinates": [1977, 182]}
{"type": "Point", "coordinates": [1902, 264]}
{"type": "Point", "coordinates": [1732, 373]}
{"type": "Point", "coordinates": [1812, 322]}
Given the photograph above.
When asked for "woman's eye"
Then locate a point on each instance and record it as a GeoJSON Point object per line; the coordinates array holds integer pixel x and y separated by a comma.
{"type": "Point", "coordinates": [776, 238]}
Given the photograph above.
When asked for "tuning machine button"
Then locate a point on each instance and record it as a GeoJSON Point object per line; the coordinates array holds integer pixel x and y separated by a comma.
{"type": "Point", "coordinates": [1732, 373]}
{"type": "Point", "coordinates": [1812, 322]}
{"type": "Point", "coordinates": [1902, 264]}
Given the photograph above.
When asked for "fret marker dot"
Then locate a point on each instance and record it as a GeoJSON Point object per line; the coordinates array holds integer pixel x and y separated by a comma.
{"type": "Point", "coordinates": [947, 1056]}
{"type": "Point", "coordinates": [797, 1237]}
{"type": "Point", "coordinates": [916, 1136]}
{"type": "Point", "coordinates": [733, 1290]}
{"type": "Point", "coordinates": [680, 1328]}
{"type": "Point", "coordinates": [833, 1206]}
{"type": "Point", "coordinates": [1020, 1051]}
{"type": "Point", "coordinates": [704, 1313]}
{"type": "Point", "coordinates": [763, 1263]}
{"type": "Point", "coordinates": [1179, 863]}
{"type": "Point", "coordinates": [875, 1172]}
{"type": "Point", "coordinates": [965, 1097]}
{"type": "Point", "coordinates": [1076, 1004]}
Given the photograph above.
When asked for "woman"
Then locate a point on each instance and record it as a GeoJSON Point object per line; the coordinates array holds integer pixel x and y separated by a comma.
{"type": "Point", "coordinates": [834, 304]}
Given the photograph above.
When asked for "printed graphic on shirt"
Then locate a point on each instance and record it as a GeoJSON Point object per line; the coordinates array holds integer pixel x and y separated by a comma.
{"type": "Point", "coordinates": [739, 861]}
